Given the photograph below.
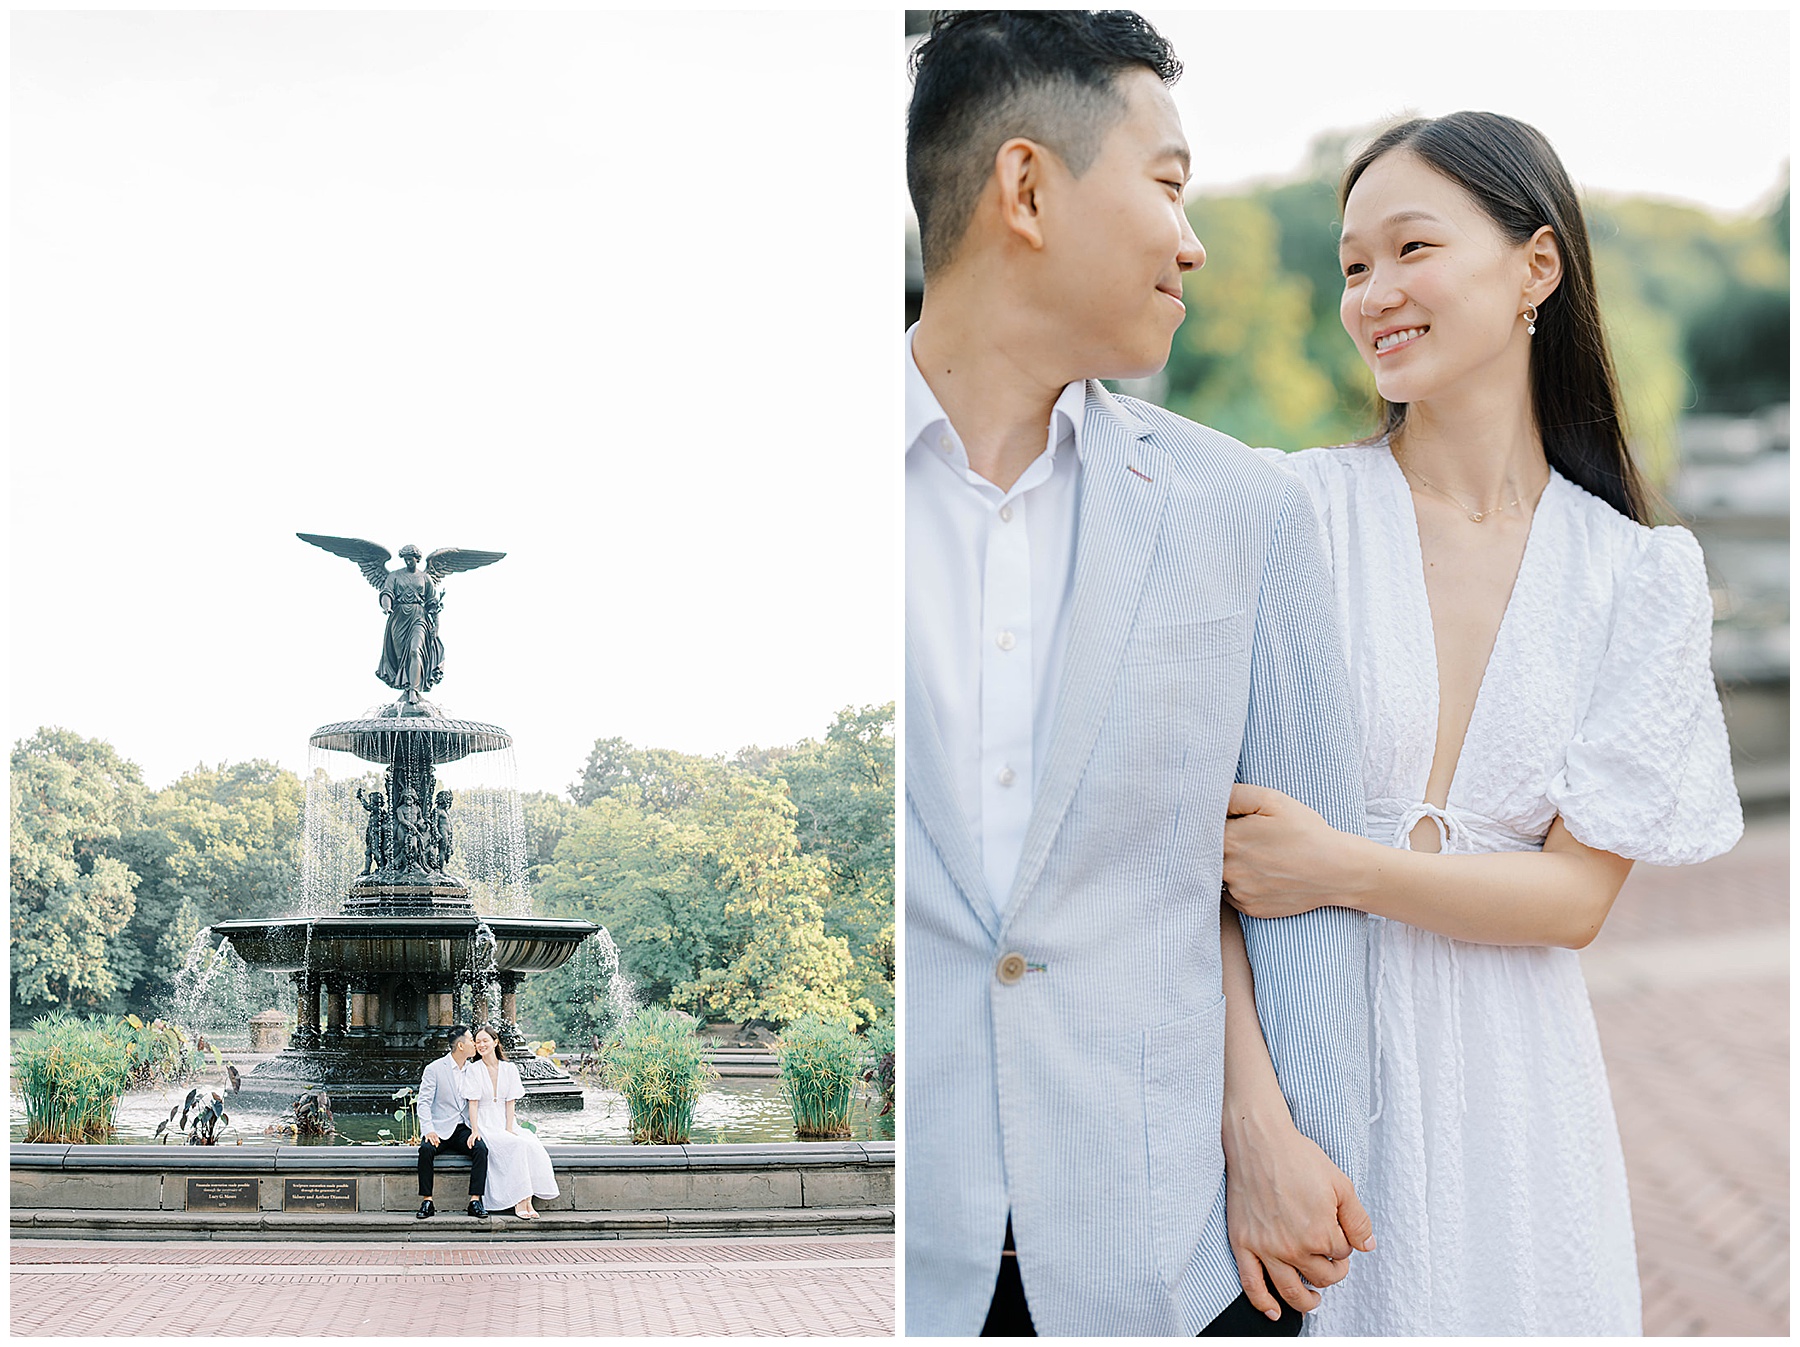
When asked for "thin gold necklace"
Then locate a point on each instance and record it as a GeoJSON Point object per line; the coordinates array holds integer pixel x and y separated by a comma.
{"type": "Point", "coordinates": [1476, 515]}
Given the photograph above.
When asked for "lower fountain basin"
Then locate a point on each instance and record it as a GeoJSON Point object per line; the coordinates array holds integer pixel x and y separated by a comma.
{"type": "Point", "coordinates": [377, 995]}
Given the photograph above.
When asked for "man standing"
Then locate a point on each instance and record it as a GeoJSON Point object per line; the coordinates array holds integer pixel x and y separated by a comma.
{"type": "Point", "coordinates": [1112, 615]}
{"type": "Point", "coordinates": [443, 1115]}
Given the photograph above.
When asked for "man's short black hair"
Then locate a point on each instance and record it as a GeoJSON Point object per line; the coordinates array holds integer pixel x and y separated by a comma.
{"type": "Point", "coordinates": [981, 77]}
{"type": "Point", "coordinates": [456, 1034]}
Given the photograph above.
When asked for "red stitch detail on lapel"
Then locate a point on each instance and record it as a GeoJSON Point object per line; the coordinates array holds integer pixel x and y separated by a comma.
{"type": "Point", "coordinates": [1134, 472]}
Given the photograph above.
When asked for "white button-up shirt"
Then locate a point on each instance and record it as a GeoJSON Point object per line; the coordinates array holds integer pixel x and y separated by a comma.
{"type": "Point", "coordinates": [990, 578]}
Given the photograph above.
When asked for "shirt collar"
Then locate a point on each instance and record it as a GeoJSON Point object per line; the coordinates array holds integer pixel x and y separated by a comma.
{"type": "Point", "coordinates": [923, 410]}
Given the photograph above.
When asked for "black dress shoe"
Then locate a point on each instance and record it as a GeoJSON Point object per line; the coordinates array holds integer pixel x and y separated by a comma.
{"type": "Point", "coordinates": [426, 1209]}
{"type": "Point", "coordinates": [476, 1209]}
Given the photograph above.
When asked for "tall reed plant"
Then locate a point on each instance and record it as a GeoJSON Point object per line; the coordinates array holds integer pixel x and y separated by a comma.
{"type": "Point", "coordinates": [71, 1074]}
{"type": "Point", "coordinates": [821, 1063]}
{"type": "Point", "coordinates": [659, 1064]}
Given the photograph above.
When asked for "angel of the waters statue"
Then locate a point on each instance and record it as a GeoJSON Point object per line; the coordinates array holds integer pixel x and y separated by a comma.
{"type": "Point", "coordinates": [412, 655]}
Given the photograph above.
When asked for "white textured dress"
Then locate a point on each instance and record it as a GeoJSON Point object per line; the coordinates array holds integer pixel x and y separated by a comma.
{"type": "Point", "coordinates": [1496, 1182]}
{"type": "Point", "coordinates": [518, 1164]}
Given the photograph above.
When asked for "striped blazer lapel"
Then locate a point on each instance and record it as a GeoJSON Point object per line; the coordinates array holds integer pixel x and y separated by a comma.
{"type": "Point", "coordinates": [1123, 489]}
{"type": "Point", "coordinates": [933, 794]}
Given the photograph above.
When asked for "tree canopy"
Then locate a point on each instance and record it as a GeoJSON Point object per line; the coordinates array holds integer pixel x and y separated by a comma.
{"type": "Point", "coordinates": [755, 888]}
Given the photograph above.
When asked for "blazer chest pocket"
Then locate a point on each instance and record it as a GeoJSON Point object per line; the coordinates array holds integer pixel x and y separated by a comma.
{"type": "Point", "coordinates": [1185, 642]}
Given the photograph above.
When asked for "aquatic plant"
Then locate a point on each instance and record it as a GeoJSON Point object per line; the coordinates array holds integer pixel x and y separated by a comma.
{"type": "Point", "coordinates": [658, 1063]}
{"type": "Point", "coordinates": [71, 1074]}
{"type": "Point", "coordinates": [821, 1065]}
{"type": "Point", "coordinates": [881, 1044]}
{"type": "Point", "coordinates": [160, 1051]}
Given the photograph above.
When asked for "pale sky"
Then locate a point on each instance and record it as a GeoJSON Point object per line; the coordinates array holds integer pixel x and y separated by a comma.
{"type": "Point", "coordinates": [1682, 104]}
{"type": "Point", "coordinates": [1675, 103]}
{"type": "Point", "coordinates": [600, 291]}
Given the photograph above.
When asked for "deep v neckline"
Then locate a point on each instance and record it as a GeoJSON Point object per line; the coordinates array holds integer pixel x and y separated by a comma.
{"type": "Point", "coordinates": [1429, 625]}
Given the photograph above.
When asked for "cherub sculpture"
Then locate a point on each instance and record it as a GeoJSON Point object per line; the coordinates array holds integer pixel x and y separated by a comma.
{"type": "Point", "coordinates": [440, 832]}
{"type": "Point", "coordinates": [412, 655]}
{"type": "Point", "coordinates": [410, 833]}
{"type": "Point", "coordinates": [375, 854]}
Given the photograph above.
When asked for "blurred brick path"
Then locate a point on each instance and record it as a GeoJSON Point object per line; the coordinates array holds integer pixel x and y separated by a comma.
{"type": "Point", "coordinates": [1690, 988]}
{"type": "Point", "coordinates": [812, 1287]}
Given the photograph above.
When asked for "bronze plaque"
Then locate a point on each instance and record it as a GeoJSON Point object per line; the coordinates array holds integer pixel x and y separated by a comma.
{"type": "Point", "coordinates": [318, 1195]}
{"type": "Point", "coordinates": [221, 1194]}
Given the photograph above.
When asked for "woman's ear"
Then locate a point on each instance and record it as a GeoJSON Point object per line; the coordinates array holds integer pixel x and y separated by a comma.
{"type": "Point", "coordinates": [1543, 265]}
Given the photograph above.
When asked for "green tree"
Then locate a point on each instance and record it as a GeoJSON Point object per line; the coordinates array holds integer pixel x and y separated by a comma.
{"type": "Point", "coordinates": [663, 778]}
{"type": "Point", "coordinates": [787, 965]}
{"type": "Point", "coordinates": [71, 897]}
{"type": "Point", "coordinates": [644, 877]}
{"type": "Point", "coordinates": [214, 845]}
{"type": "Point", "coordinates": [548, 818]}
{"type": "Point", "coordinates": [843, 792]}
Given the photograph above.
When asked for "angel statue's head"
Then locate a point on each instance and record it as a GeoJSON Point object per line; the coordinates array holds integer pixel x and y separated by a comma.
{"type": "Point", "coordinates": [410, 555]}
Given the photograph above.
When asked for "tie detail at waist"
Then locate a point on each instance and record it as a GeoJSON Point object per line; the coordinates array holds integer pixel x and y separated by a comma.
{"type": "Point", "coordinates": [1460, 831]}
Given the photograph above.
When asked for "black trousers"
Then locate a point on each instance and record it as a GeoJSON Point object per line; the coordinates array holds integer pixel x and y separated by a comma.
{"type": "Point", "coordinates": [1010, 1317]}
{"type": "Point", "coordinates": [457, 1143]}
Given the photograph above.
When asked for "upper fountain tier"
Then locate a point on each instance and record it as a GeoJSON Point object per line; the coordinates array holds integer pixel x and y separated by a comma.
{"type": "Point", "coordinates": [401, 732]}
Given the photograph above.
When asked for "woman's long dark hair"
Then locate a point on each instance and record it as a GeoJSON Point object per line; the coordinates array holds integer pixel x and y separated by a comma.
{"type": "Point", "coordinates": [1513, 174]}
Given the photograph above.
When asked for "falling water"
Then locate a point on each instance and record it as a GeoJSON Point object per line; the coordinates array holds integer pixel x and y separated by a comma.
{"type": "Point", "coordinates": [487, 822]}
{"type": "Point", "coordinates": [216, 992]}
{"type": "Point", "coordinates": [601, 995]}
{"type": "Point", "coordinates": [484, 971]}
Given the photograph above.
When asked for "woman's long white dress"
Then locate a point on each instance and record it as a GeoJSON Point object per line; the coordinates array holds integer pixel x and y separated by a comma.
{"type": "Point", "coordinates": [1496, 1182]}
{"type": "Point", "coordinates": [518, 1165]}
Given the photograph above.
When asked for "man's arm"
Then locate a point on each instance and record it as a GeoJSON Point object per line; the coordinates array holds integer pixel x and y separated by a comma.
{"type": "Point", "coordinates": [1309, 987]}
{"type": "Point", "coordinates": [426, 1103]}
{"type": "Point", "coordinates": [1300, 738]}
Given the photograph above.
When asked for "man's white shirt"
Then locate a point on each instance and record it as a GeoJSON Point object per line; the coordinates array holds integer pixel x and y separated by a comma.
{"type": "Point", "coordinates": [990, 580]}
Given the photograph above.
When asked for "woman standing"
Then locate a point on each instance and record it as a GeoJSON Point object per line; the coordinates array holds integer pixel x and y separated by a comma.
{"type": "Point", "coordinates": [518, 1166]}
{"type": "Point", "coordinates": [1530, 666]}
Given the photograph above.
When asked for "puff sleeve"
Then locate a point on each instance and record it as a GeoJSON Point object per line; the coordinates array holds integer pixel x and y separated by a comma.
{"type": "Point", "coordinates": [512, 1085]}
{"type": "Point", "coordinates": [1648, 775]}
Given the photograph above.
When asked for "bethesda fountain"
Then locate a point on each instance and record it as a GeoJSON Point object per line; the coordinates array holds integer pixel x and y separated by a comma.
{"type": "Point", "coordinates": [378, 983]}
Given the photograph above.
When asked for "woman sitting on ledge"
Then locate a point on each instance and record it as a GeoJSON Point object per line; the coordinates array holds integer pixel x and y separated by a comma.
{"type": "Point", "coordinates": [518, 1165]}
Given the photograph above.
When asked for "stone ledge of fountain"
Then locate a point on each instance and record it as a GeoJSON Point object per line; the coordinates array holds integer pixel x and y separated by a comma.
{"type": "Point", "coordinates": [402, 1227]}
{"type": "Point", "coordinates": [271, 1159]}
{"type": "Point", "coordinates": [607, 1190]}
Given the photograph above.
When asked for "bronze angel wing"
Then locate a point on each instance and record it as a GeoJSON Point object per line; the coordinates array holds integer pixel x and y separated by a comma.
{"type": "Point", "coordinates": [370, 558]}
{"type": "Point", "coordinates": [450, 560]}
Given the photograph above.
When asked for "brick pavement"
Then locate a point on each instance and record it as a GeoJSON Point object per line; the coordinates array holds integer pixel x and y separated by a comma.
{"type": "Point", "coordinates": [814, 1287]}
{"type": "Point", "coordinates": [1690, 989]}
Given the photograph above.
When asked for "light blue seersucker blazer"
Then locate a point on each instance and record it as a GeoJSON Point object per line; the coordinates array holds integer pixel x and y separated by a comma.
{"type": "Point", "coordinates": [1083, 1095]}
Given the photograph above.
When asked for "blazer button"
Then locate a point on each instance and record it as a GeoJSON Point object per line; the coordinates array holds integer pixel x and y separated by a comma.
{"type": "Point", "coordinates": [1011, 968]}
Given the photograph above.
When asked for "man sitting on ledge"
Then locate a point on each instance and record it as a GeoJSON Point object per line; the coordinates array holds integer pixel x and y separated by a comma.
{"type": "Point", "coordinates": [443, 1115]}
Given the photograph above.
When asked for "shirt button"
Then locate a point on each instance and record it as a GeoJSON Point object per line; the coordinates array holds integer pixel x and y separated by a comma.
{"type": "Point", "coordinates": [944, 443]}
{"type": "Point", "coordinates": [1006, 640]}
{"type": "Point", "coordinates": [1007, 776]}
{"type": "Point", "coordinates": [1011, 968]}
{"type": "Point", "coordinates": [1006, 514]}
